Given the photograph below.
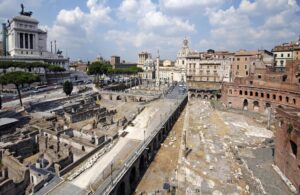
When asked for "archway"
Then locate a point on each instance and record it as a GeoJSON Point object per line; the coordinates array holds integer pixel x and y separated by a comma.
{"type": "Point", "coordinates": [199, 96]}
{"type": "Point", "coordinates": [132, 179]}
{"type": "Point", "coordinates": [142, 165]}
{"type": "Point", "coordinates": [205, 97]}
{"type": "Point", "coordinates": [245, 104]}
{"type": "Point", "coordinates": [110, 97]}
{"type": "Point", "coordinates": [256, 106]}
{"type": "Point", "coordinates": [121, 189]}
{"type": "Point", "coordinates": [229, 104]}
{"type": "Point", "coordinates": [192, 96]}
{"type": "Point", "coordinates": [118, 98]}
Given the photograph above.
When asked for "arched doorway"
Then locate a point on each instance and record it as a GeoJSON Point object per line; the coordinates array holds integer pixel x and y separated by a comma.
{"type": "Point", "coordinates": [245, 104]}
{"type": "Point", "coordinates": [132, 179]}
{"type": "Point", "coordinates": [256, 106]}
{"type": "Point", "coordinates": [142, 165]}
{"type": "Point", "coordinates": [121, 189]}
{"type": "Point", "coordinates": [118, 98]}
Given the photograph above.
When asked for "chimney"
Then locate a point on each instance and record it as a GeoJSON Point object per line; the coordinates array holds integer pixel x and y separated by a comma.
{"type": "Point", "coordinates": [51, 46]}
{"type": "Point", "coordinates": [4, 35]}
{"type": "Point", "coordinates": [54, 46]}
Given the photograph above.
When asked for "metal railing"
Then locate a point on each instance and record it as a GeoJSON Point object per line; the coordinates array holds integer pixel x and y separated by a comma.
{"type": "Point", "coordinates": [110, 183]}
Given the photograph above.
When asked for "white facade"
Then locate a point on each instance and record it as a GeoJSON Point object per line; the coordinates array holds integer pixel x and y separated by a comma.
{"type": "Point", "coordinates": [27, 43]}
{"type": "Point", "coordinates": [180, 64]}
{"type": "Point", "coordinates": [281, 57]}
{"type": "Point", "coordinates": [25, 38]}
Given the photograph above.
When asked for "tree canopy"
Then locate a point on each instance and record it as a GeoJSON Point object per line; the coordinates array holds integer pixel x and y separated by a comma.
{"type": "Point", "coordinates": [27, 65]}
{"type": "Point", "coordinates": [68, 87]}
{"type": "Point", "coordinates": [97, 68]}
{"type": "Point", "coordinates": [18, 78]}
{"type": "Point", "coordinates": [55, 68]}
{"type": "Point", "coordinates": [130, 70]}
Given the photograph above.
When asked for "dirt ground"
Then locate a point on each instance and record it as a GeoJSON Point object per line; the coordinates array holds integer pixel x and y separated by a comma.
{"type": "Point", "coordinates": [229, 153]}
{"type": "Point", "coordinates": [164, 166]}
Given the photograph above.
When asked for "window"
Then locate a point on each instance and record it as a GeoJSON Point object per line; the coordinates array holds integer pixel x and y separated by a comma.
{"type": "Point", "coordinates": [262, 95]}
{"type": "Point", "coordinates": [238, 59]}
{"type": "Point", "coordinates": [287, 99]}
{"type": "Point", "coordinates": [275, 55]}
{"type": "Point", "coordinates": [274, 97]}
{"type": "Point", "coordinates": [245, 66]}
{"type": "Point", "coordinates": [256, 94]}
{"type": "Point", "coordinates": [21, 40]}
{"type": "Point", "coordinates": [282, 55]}
{"type": "Point", "coordinates": [281, 62]}
{"type": "Point", "coordinates": [245, 59]}
{"type": "Point", "coordinates": [246, 92]}
{"type": "Point", "coordinates": [280, 98]}
{"type": "Point", "coordinates": [238, 67]}
{"type": "Point", "coordinates": [251, 93]}
{"type": "Point", "coordinates": [259, 76]}
{"type": "Point", "coordinates": [268, 95]}
{"type": "Point", "coordinates": [294, 101]}
{"type": "Point", "coordinates": [247, 73]}
{"type": "Point", "coordinates": [251, 82]}
{"type": "Point", "coordinates": [241, 92]}
{"type": "Point", "coordinates": [288, 55]}
{"type": "Point", "coordinates": [26, 40]}
{"type": "Point", "coordinates": [294, 148]}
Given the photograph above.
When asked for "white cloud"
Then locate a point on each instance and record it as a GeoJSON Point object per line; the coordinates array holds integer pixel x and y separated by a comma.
{"type": "Point", "coordinates": [253, 24]}
{"type": "Point", "coordinates": [190, 4]}
{"type": "Point", "coordinates": [75, 29]}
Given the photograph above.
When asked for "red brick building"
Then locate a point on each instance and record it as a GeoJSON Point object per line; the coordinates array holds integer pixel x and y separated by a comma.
{"type": "Point", "coordinates": [265, 88]}
{"type": "Point", "coordinates": [287, 143]}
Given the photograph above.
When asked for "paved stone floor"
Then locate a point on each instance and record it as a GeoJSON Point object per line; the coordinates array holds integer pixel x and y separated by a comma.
{"type": "Point", "coordinates": [229, 154]}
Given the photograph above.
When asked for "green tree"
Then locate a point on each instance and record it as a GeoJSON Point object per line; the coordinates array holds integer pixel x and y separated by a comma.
{"type": "Point", "coordinates": [56, 69]}
{"type": "Point", "coordinates": [98, 68]}
{"type": "Point", "coordinates": [68, 87]}
{"type": "Point", "coordinates": [19, 78]}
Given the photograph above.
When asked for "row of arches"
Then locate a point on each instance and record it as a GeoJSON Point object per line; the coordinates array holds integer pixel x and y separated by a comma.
{"type": "Point", "coordinates": [255, 105]}
{"type": "Point", "coordinates": [203, 96]}
{"type": "Point", "coordinates": [122, 98]}
{"type": "Point", "coordinates": [129, 182]}
{"type": "Point", "coordinates": [274, 97]}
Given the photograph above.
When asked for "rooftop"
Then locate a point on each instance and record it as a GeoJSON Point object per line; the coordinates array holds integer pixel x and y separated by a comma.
{"type": "Point", "coordinates": [6, 121]}
{"type": "Point", "coordinates": [25, 19]}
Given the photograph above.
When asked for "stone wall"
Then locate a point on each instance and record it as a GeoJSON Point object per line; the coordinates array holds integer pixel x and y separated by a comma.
{"type": "Point", "coordinates": [287, 144]}
{"type": "Point", "coordinates": [18, 176]}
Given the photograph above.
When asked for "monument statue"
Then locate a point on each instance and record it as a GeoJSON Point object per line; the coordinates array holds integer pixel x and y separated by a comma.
{"type": "Point", "coordinates": [23, 12]}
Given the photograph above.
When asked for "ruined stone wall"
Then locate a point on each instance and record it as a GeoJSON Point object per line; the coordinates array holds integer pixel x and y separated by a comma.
{"type": "Point", "coordinates": [18, 176]}
{"type": "Point", "coordinates": [23, 148]}
{"type": "Point", "coordinates": [258, 99]}
{"type": "Point", "coordinates": [286, 158]}
{"type": "Point", "coordinates": [83, 114]}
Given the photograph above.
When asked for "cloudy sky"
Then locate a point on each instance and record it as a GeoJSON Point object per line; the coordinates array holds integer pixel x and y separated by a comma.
{"type": "Point", "coordinates": [85, 29]}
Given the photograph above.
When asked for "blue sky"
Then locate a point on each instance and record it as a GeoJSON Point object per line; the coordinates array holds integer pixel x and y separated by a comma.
{"type": "Point", "coordinates": [85, 29]}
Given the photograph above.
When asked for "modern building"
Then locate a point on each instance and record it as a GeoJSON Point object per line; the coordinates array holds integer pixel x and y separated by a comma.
{"type": "Point", "coordinates": [114, 60]}
{"type": "Point", "coordinates": [284, 52]}
{"type": "Point", "coordinates": [208, 66]}
{"type": "Point", "coordinates": [142, 57]}
{"type": "Point", "coordinates": [244, 61]}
